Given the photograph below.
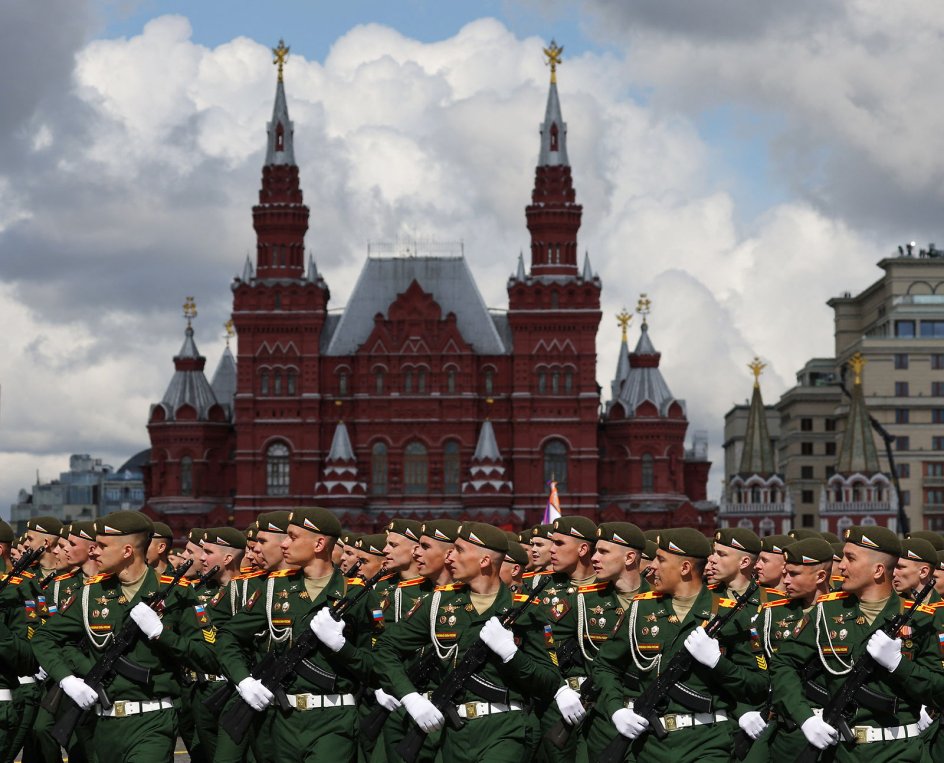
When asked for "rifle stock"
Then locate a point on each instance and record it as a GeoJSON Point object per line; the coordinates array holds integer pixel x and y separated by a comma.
{"type": "Point", "coordinates": [419, 674]}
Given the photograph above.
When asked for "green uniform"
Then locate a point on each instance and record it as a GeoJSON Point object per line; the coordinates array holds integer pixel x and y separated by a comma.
{"type": "Point", "coordinates": [830, 639]}
{"type": "Point", "coordinates": [497, 729]}
{"type": "Point", "coordinates": [699, 717]}
{"type": "Point", "coordinates": [18, 702]}
{"type": "Point", "coordinates": [321, 724]}
{"type": "Point", "coordinates": [142, 723]}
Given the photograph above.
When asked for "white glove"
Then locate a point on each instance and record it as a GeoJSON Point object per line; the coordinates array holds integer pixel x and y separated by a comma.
{"type": "Point", "coordinates": [147, 620]}
{"type": "Point", "coordinates": [328, 630]}
{"type": "Point", "coordinates": [924, 720]}
{"type": "Point", "coordinates": [80, 692]}
{"type": "Point", "coordinates": [819, 733]}
{"type": "Point", "coordinates": [387, 701]}
{"type": "Point", "coordinates": [498, 638]}
{"type": "Point", "coordinates": [424, 712]}
{"type": "Point", "coordinates": [41, 674]}
{"type": "Point", "coordinates": [753, 724]}
{"type": "Point", "coordinates": [568, 701]}
{"type": "Point", "coordinates": [254, 692]}
{"type": "Point", "coordinates": [703, 647]}
{"type": "Point", "coordinates": [628, 723]}
{"type": "Point", "coordinates": [884, 650]}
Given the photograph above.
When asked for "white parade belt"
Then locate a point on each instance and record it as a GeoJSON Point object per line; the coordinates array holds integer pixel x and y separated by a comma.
{"type": "Point", "coordinates": [476, 709]}
{"type": "Point", "coordinates": [869, 734]}
{"type": "Point", "coordinates": [125, 707]}
{"type": "Point", "coordinates": [6, 695]}
{"type": "Point", "coordinates": [679, 721]}
{"type": "Point", "coordinates": [319, 701]}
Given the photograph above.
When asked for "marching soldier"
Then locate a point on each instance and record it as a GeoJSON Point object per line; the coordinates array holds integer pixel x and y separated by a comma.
{"type": "Point", "coordinates": [725, 670]}
{"type": "Point", "coordinates": [516, 559]}
{"type": "Point", "coordinates": [158, 555]}
{"type": "Point", "coordinates": [915, 568]}
{"type": "Point", "coordinates": [835, 577]}
{"type": "Point", "coordinates": [349, 553]}
{"type": "Point", "coordinates": [769, 566]}
{"type": "Point", "coordinates": [540, 553]}
{"type": "Point", "coordinates": [436, 541]}
{"type": "Point", "coordinates": [370, 553]}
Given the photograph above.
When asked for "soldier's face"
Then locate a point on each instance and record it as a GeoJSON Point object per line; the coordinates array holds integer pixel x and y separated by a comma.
{"type": "Point", "coordinates": [110, 552]}
{"type": "Point", "coordinates": [725, 563]}
{"type": "Point", "coordinates": [802, 580]}
{"type": "Point", "coordinates": [215, 555]}
{"type": "Point", "coordinates": [193, 552]}
{"type": "Point", "coordinates": [540, 552]}
{"type": "Point", "coordinates": [299, 546]}
{"type": "Point", "coordinates": [35, 540]}
{"type": "Point", "coordinates": [666, 572]}
{"type": "Point", "coordinates": [464, 561]}
{"type": "Point", "coordinates": [75, 550]}
{"type": "Point", "coordinates": [508, 572]}
{"type": "Point", "coordinates": [565, 552]}
{"type": "Point", "coordinates": [398, 552]}
{"type": "Point", "coordinates": [609, 560]}
{"type": "Point", "coordinates": [269, 549]}
{"type": "Point", "coordinates": [430, 556]}
{"type": "Point", "coordinates": [348, 557]}
{"type": "Point", "coordinates": [861, 568]}
{"type": "Point", "coordinates": [156, 548]}
{"type": "Point", "coordinates": [769, 568]}
{"type": "Point", "coordinates": [908, 574]}
{"type": "Point", "coordinates": [370, 564]}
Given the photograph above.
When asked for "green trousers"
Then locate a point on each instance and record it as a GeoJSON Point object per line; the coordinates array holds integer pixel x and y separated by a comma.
{"type": "Point", "coordinates": [315, 736]}
{"type": "Point", "coordinates": [711, 743]}
{"type": "Point", "coordinates": [187, 724]}
{"type": "Point", "coordinates": [10, 714]}
{"type": "Point", "coordinates": [574, 752]}
{"type": "Point", "coordinates": [397, 727]}
{"type": "Point", "coordinates": [498, 738]}
{"type": "Point", "coordinates": [899, 751]}
{"type": "Point", "coordinates": [143, 738]}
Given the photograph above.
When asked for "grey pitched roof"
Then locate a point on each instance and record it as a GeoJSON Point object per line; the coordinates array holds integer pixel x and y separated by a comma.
{"type": "Point", "coordinates": [858, 454]}
{"type": "Point", "coordinates": [487, 446]}
{"type": "Point", "coordinates": [552, 116]}
{"type": "Point", "coordinates": [587, 270]}
{"type": "Point", "coordinates": [224, 379]}
{"type": "Point", "coordinates": [448, 279]}
{"type": "Point", "coordinates": [280, 116]}
{"type": "Point", "coordinates": [341, 449]}
{"type": "Point", "coordinates": [758, 455]}
{"type": "Point", "coordinates": [247, 271]}
{"type": "Point", "coordinates": [644, 382]}
{"type": "Point", "coordinates": [188, 386]}
{"type": "Point", "coordinates": [622, 370]}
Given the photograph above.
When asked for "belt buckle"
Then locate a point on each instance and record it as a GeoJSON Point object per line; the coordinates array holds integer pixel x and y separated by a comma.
{"type": "Point", "coordinates": [861, 734]}
{"type": "Point", "coordinates": [301, 701]}
{"type": "Point", "coordinates": [471, 709]}
{"type": "Point", "coordinates": [671, 722]}
{"type": "Point", "coordinates": [120, 709]}
{"type": "Point", "coordinates": [574, 683]}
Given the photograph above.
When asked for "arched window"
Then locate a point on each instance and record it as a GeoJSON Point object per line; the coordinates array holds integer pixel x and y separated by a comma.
{"type": "Point", "coordinates": [555, 132]}
{"type": "Point", "coordinates": [451, 467]}
{"type": "Point", "coordinates": [291, 382]}
{"type": "Point", "coordinates": [415, 469]}
{"type": "Point", "coordinates": [421, 380]}
{"type": "Point", "coordinates": [342, 383]}
{"type": "Point", "coordinates": [277, 469]}
{"type": "Point", "coordinates": [379, 381]}
{"type": "Point", "coordinates": [277, 383]}
{"type": "Point", "coordinates": [186, 475]}
{"type": "Point", "coordinates": [542, 382]}
{"type": "Point", "coordinates": [378, 468]}
{"type": "Point", "coordinates": [555, 381]}
{"type": "Point", "coordinates": [407, 382]}
{"type": "Point", "coordinates": [489, 381]}
{"type": "Point", "coordinates": [278, 301]}
{"type": "Point", "coordinates": [568, 381]}
{"type": "Point", "coordinates": [451, 381]}
{"type": "Point", "coordinates": [755, 495]}
{"type": "Point", "coordinates": [555, 464]}
{"type": "Point", "coordinates": [648, 473]}
{"type": "Point", "coordinates": [766, 527]}
{"type": "Point", "coordinates": [264, 383]}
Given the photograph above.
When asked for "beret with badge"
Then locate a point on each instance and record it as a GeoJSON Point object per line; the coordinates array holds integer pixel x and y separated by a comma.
{"type": "Point", "coordinates": [443, 530]}
{"type": "Point", "coordinates": [408, 528]}
{"type": "Point", "coordinates": [484, 535]}
{"type": "Point", "coordinates": [623, 533]}
{"type": "Point", "coordinates": [685, 541]}
{"type": "Point", "coordinates": [274, 521]}
{"type": "Point", "coordinates": [874, 538]}
{"type": "Point", "coordinates": [808, 551]}
{"type": "Point", "coordinates": [317, 520]}
{"type": "Point", "coordinates": [919, 550]}
{"type": "Point", "coordinates": [542, 531]}
{"type": "Point", "coordinates": [225, 536]}
{"type": "Point", "coordinates": [649, 553]}
{"type": "Point", "coordinates": [372, 544]}
{"type": "Point", "coordinates": [84, 529]}
{"type": "Point", "coordinates": [740, 539]}
{"type": "Point", "coordinates": [195, 536]}
{"type": "Point", "coordinates": [515, 553]}
{"type": "Point", "coordinates": [802, 533]}
{"type": "Point", "coordinates": [161, 530]}
{"type": "Point", "coordinates": [775, 544]}
{"type": "Point", "coordinates": [6, 532]}
{"type": "Point", "coordinates": [124, 523]}
{"type": "Point", "coordinates": [47, 525]}
{"type": "Point", "coordinates": [576, 526]}
{"type": "Point", "coordinates": [935, 539]}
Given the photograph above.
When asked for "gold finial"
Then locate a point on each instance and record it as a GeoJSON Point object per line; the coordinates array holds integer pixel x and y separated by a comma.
{"type": "Point", "coordinates": [644, 307]}
{"type": "Point", "coordinates": [623, 320]}
{"type": "Point", "coordinates": [190, 310]}
{"type": "Point", "coordinates": [553, 55]}
{"type": "Point", "coordinates": [280, 53]}
{"type": "Point", "coordinates": [230, 331]}
{"type": "Point", "coordinates": [757, 366]}
{"type": "Point", "coordinates": [857, 363]}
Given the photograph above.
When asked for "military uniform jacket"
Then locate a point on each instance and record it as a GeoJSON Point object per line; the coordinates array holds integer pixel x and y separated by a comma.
{"type": "Point", "coordinates": [651, 635]}
{"type": "Point", "coordinates": [283, 610]}
{"type": "Point", "coordinates": [447, 620]}
{"type": "Point", "coordinates": [16, 658]}
{"type": "Point", "coordinates": [76, 637]}
{"type": "Point", "coordinates": [832, 637]}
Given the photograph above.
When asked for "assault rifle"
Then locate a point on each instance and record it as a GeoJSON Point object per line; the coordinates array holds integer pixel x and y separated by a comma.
{"type": "Point", "coordinates": [560, 733]}
{"type": "Point", "coordinates": [280, 668]}
{"type": "Point", "coordinates": [443, 697]}
{"type": "Point", "coordinates": [834, 711]}
{"type": "Point", "coordinates": [27, 559]}
{"type": "Point", "coordinates": [205, 578]}
{"type": "Point", "coordinates": [47, 580]}
{"type": "Point", "coordinates": [114, 661]}
{"type": "Point", "coordinates": [653, 695]}
{"type": "Point", "coordinates": [419, 673]}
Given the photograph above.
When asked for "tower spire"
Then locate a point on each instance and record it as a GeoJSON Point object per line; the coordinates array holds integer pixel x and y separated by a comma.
{"type": "Point", "coordinates": [758, 455]}
{"type": "Point", "coordinates": [857, 454]}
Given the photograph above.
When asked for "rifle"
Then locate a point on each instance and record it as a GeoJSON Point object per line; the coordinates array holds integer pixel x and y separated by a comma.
{"type": "Point", "coordinates": [277, 669]}
{"type": "Point", "coordinates": [443, 697]}
{"type": "Point", "coordinates": [47, 580]}
{"type": "Point", "coordinates": [27, 559]}
{"type": "Point", "coordinates": [114, 661]}
{"type": "Point", "coordinates": [205, 578]}
{"type": "Point", "coordinates": [647, 702]}
{"type": "Point", "coordinates": [419, 673]}
{"type": "Point", "coordinates": [834, 710]}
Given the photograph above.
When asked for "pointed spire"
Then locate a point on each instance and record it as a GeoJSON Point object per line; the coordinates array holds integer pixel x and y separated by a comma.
{"type": "Point", "coordinates": [587, 270]}
{"type": "Point", "coordinates": [858, 454]}
{"type": "Point", "coordinates": [312, 269]}
{"type": "Point", "coordinates": [554, 129]}
{"type": "Point", "coordinates": [247, 271]}
{"type": "Point", "coordinates": [281, 148]}
{"type": "Point", "coordinates": [520, 275]}
{"type": "Point", "coordinates": [487, 446]}
{"type": "Point", "coordinates": [341, 449]}
{"type": "Point", "coordinates": [223, 383]}
{"type": "Point", "coordinates": [188, 386]}
{"type": "Point", "coordinates": [622, 363]}
{"type": "Point", "coordinates": [758, 455]}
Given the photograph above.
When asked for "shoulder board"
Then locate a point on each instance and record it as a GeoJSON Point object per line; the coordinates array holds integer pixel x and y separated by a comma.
{"type": "Point", "coordinates": [387, 577]}
{"type": "Point", "coordinates": [250, 574]}
{"type": "Point", "coordinates": [937, 604]}
{"type": "Point", "coordinates": [775, 592]}
{"type": "Point", "coordinates": [27, 574]}
{"type": "Point", "coordinates": [713, 586]}
{"type": "Point", "coordinates": [410, 582]}
{"type": "Point", "coordinates": [529, 575]}
{"type": "Point", "coordinates": [928, 609]}
{"type": "Point", "coordinates": [836, 578]}
{"type": "Point", "coordinates": [520, 598]}
{"type": "Point", "coordinates": [66, 575]}
{"type": "Point", "coordinates": [451, 587]}
{"type": "Point", "coordinates": [832, 596]}
{"type": "Point", "coordinates": [647, 595]}
{"type": "Point", "coordinates": [98, 578]}
{"type": "Point", "coordinates": [777, 603]}
{"type": "Point", "coordinates": [726, 603]}
{"type": "Point", "coordinates": [15, 580]}
{"type": "Point", "coordinates": [246, 570]}
{"type": "Point", "coordinates": [283, 573]}
{"type": "Point", "coordinates": [592, 587]}
{"type": "Point", "coordinates": [356, 581]}
{"type": "Point", "coordinates": [183, 582]}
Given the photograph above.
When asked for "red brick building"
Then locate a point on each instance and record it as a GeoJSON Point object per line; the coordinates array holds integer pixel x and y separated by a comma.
{"type": "Point", "coordinates": [417, 398]}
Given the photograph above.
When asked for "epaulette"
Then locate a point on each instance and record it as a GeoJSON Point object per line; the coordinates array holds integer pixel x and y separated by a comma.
{"type": "Point", "coordinates": [926, 608]}
{"type": "Point", "coordinates": [726, 603]}
{"type": "Point", "coordinates": [252, 574]}
{"type": "Point", "coordinates": [591, 587]}
{"type": "Point", "coordinates": [247, 570]}
{"type": "Point", "coordinates": [98, 578]}
{"type": "Point", "coordinates": [410, 582]}
{"type": "Point", "coordinates": [714, 586]}
{"type": "Point", "coordinates": [283, 573]}
{"type": "Point", "coordinates": [520, 598]}
{"type": "Point", "coordinates": [775, 592]}
{"type": "Point", "coordinates": [647, 595]}
{"type": "Point", "coordinates": [387, 577]}
{"type": "Point", "coordinates": [937, 604]}
{"type": "Point", "coordinates": [777, 603]}
{"type": "Point", "coordinates": [15, 580]}
{"type": "Point", "coordinates": [27, 574]}
{"type": "Point", "coordinates": [66, 575]}
{"type": "Point", "coordinates": [832, 596]}
{"type": "Point", "coordinates": [356, 581]}
{"type": "Point", "coordinates": [836, 578]}
{"type": "Point", "coordinates": [170, 579]}
{"type": "Point", "coordinates": [529, 575]}
{"type": "Point", "coordinates": [451, 587]}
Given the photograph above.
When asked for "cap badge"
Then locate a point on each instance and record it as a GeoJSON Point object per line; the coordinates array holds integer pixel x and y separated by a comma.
{"type": "Point", "coordinates": [913, 555]}
{"type": "Point", "coordinates": [475, 539]}
{"type": "Point", "coordinates": [618, 539]}
{"type": "Point", "coordinates": [109, 529]}
{"type": "Point", "coordinates": [308, 524]}
{"type": "Point", "coordinates": [440, 535]}
{"type": "Point", "coordinates": [866, 541]}
{"type": "Point", "coordinates": [808, 559]}
{"type": "Point", "coordinates": [273, 527]}
{"type": "Point", "coordinates": [676, 549]}
{"type": "Point", "coordinates": [410, 534]}
{"type": "Point", "coordinates": [574, 531]}
{"type": "Point", "coordinates": [735, 544]}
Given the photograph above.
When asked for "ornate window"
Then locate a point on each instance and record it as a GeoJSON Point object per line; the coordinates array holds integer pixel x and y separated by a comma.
{"type": "Point", "coordinates": [277, 469]}
{"type": "Point", "coordinates": [291, 381]}
{"type": "Point", "coordinates": [277, 383]}
{"type": "Point", "coordinates": [648, 473]}
{"type": "Point", "coordinates": [342, 383]}
{"type": "Point", "coordinates": [186, 475]}
{"type": "Point", "coordinates": [489, 381]}
{"type": "Point", "coordinates": [415, 469]}
{"type": "Point", "coordinates": [542, 382]}
{"type": "Point", "coordinates": [555, 381]}
{"type": "Point", "coordinates": [555, 464]}
{"type": "Point", "coordinates": [264, 383]}
{"type": "Point", "coordinates": [568, 381]}
{"type": "Point", "coordinates": [421, 380]}
{"type": "Point", "coordinates": [379, 381]}
{"type": "Point", "coordinates": [451, 467]}
{"type": "Point", "coordinates": [407, 382]}
{"type": "Point", "coordinates": [378, 468]}
{"type": "Point", "coordinates": [451, 381]}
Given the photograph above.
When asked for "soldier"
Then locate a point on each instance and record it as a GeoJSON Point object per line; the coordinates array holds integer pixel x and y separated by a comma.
{"type": "Point", "coordinates": [935, 539]}
{"type": "Point", "coordinates": [830, 537]}
{"type": "Point", "coordinates": [140, 725]}
{"type": "Point", "coordinates": [404, 583]}
{"type": "Point", "coordinates": [540, 553]}
{"type": "Point", "coordinates": [833, 636]}
{"type": "Point", "coordinates": [731, 564]}
{"type": "Point", "coordinates": [802, 533]}
{"type": "Point", "coordinates": [158, 555]}
{"type": "Point", "coordinates": [648, 555]}
{"type": "Point", "coordinates": [349, 554]}
{"type": "Point", "coordinates": [192, 551]}
{"type": "Point", "coordinates": [835, 577]}
{"type": "Point", "coordinates": [939, 574]}
{"type": "Point", "coordinates": [769, 566]}
{"type": "Point", "coordinates": [436, 541]}
{"type": "Point", "coordinates": [516, 559]}
{"type": "Point", "coordinates": [321, 722]}
{"type": "Point", "coordinates": [454, 618]}
{"type": "Point", "coordinates": [370, 553]}
{"type": "Point", "coordinates": [915, 568]}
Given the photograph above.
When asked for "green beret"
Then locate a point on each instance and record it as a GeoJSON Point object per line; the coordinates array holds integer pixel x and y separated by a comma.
{"type": "Point", "coordinates": [919, 550]}
{"type": "Point", "coordinates": [408, 528]}
{"type": "Point", "coordinates": [739, 538]}
{"type": "Point", "coordinates": [317, 520]}
{"type": "Point", "coordinates": [84, 529]}
{"type": "Point", "coordinates": [195, 536]}
{"type": "Point", "coordinates": [874, 537]}
{"type": "Point", "coordinates": [685, 541]}
{"type": "Point", "coordinates": [809, 551]}
{"type": "Point", "coordinates": [652, 535]}
{"type": "Point", "coordinates": [802, 533]}
{"type": "Point", "coordinates": [515, 553]}
{"type": "Point", "coordinates": [124, 523]}
{"type": "Point", "coordinates": [935, 539]}
{"type": "Point", "coordinates": [837, 550]}
{"type": "Point", "coordinates": [273, 521]}
{"type": "Point", "coordinates": [524, 536]}
{"type": "Point", "coordinates": [830, 537]}
{"type": "Point", "coordinates": [443, 530]}
{"type": "Point", "coordinates": [542, 531]}
{"type": "Point", "coordinates": [162, 530]}
{"type": "Point", "coordinates": [650, 552]}
{"type": "Point", "coordinates": [48, 525]}
{"type": "Point", "coordinates": [349, 538]}
{"type": "Point", "coordinates": [225, 536]}
{"type": "Point", "coordinates": [486, 536]}
{"type": "Point", "coordinates": [372, 544]}
{"type": "Point", "coordinates": [940, 560]}
{"type": "Point", "coordinates": [64, 531]}
{"type": "Point", "coordinates": [775, 544]}
{"type": "Point", "coordinates": [624, 533]}
{"type": "Point", "coordinates": [6, 532]}
{"type": "Point", "coordinates": [576, 526]}
{"type": "Point", "coordinates": [251, 532]}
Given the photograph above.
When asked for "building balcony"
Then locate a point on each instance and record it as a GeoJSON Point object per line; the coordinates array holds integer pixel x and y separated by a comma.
{"type": "Point", "coordinates": [759, 508]}
{"type": "Point", "coordinates": [932, 481]}
{"type": "Point", "coordinates": [856, 507]}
